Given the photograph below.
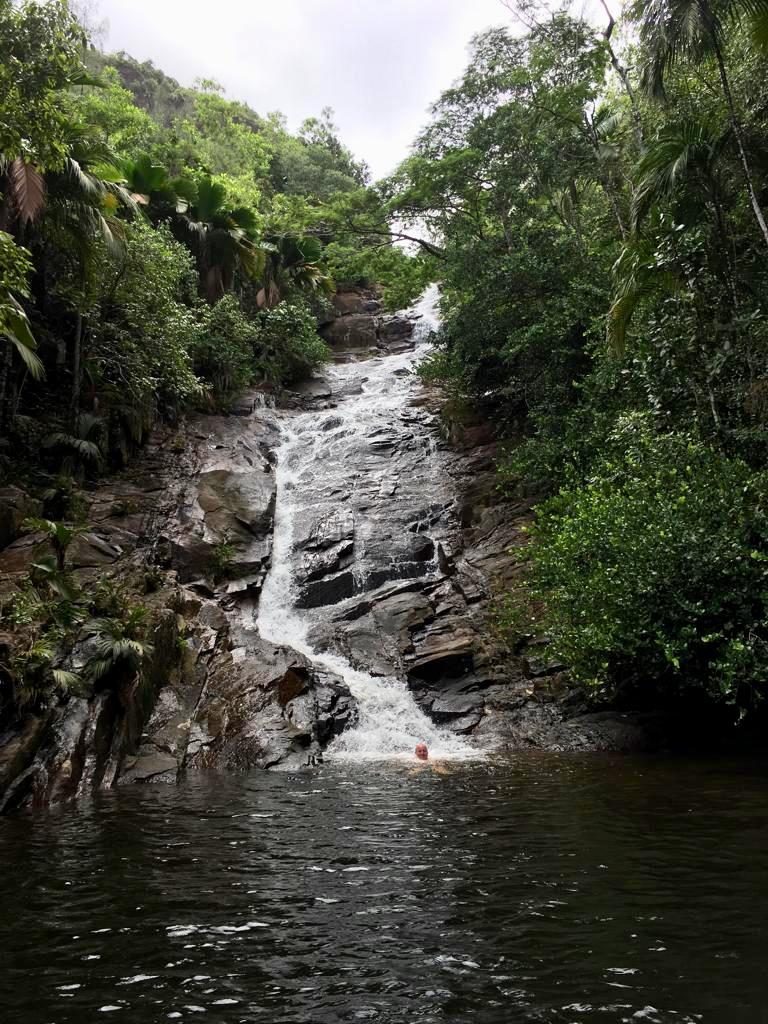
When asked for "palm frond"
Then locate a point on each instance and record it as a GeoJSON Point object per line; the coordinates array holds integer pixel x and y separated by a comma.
{"type": "Point", "coordinates": [676, 151]}
{"type": "Point", "coordinates": [17, 330]}
{"type": "Point", "coordinates": [88, 184]}
{"type": "Point", "coordinates": [67, 681]}
{"type": "Point", "coordinates": [27, 188]}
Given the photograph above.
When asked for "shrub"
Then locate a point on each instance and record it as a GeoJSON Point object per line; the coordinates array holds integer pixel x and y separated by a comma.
{"type": "Point", "coordinates": [139, 357]}
{"type": "Point", "coordinates": [289, 345]}
{"type": "Point", "coordinates": [656, 569]}
{"type": "Point", "coordinates": [224, 353]}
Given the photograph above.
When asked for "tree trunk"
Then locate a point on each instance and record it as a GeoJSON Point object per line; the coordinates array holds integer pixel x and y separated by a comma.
{"type": "Point", "coordinates": [736, 129]}
{"type": "Point", "coordinates": [6, 357]}
{"type": "Point", "coordinates": [621, 71]}
{"type": "Point", "coordinates": [74, 400]}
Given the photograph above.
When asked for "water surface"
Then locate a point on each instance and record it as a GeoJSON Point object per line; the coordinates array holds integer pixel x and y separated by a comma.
{"type": "Point", "coordinates": [545, 888]}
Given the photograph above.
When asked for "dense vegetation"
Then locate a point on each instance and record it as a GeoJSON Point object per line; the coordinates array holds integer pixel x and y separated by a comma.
{"type": "Point", "coordinates": [592, 202]}
{"type": "Point", "coordinates": [599, 207]}
{"type": "Point", "coordinates": [160, 248]}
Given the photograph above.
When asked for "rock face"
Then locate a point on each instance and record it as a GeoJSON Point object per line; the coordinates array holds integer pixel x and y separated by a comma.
{"type": "Point", "coordinates": [15, 506]}
{"type": "Point", "coordinates": [356, 300]}
{"type": "Point", "coordinates": [399, 546]}
{"type": "Point", "coordinates": [200, 508]}
{"type": "Point", "coordinates": [360, 327]}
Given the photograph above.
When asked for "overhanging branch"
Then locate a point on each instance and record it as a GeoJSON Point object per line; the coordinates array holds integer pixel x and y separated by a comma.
{"type": "Point", "coordinates": [430, 247]}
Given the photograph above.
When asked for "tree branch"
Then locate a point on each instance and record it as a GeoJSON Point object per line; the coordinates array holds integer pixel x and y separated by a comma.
{"type": "Point", "coordinates": [429, 247]}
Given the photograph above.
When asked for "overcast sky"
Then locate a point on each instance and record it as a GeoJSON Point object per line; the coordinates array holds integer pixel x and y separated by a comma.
{"type": "Point", "coordinates": [378, 63]}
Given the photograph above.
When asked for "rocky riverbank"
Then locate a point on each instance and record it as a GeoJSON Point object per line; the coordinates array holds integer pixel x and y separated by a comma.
{"type": "Point", "coordinates": [189, 531]}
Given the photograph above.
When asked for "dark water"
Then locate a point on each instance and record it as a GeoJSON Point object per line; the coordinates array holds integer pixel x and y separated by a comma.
{"type": "Point", "coordinates": [551, 888]}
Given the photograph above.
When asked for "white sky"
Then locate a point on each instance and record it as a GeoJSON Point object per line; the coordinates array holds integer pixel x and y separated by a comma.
{"type": "Point", "coordinates": [378, 63]}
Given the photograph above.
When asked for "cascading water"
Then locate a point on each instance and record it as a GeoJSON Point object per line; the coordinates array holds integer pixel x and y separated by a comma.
{"type": "Point", "coordinates": [319, 468]}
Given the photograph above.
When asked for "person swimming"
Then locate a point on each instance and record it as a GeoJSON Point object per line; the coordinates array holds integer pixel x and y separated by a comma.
{"type": "Point", "coordinates": [422, 754]}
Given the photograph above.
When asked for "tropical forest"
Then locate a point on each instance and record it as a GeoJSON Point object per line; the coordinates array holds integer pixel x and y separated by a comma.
{"type": "Point", "coordinates": [411, 523]}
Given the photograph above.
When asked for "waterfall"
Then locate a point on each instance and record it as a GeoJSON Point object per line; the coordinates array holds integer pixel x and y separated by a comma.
{"type": "Point", "coordinates": [319, 450]}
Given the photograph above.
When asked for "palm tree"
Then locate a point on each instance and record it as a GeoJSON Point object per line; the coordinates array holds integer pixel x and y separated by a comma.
{"type": "Point", "coordinates": [638, 274]}
{"type": "Point", "coordinates": [82, 202]}
{"type": "Point", "coordinates": [220, 236]}
{"type": "Point", "coordinates": [151, 186]}
{"type": "Point", "coordinates": [15, 267]}
{"type": "Point", "coordinates": [118, 643]}
{"type": "Point", "coordinates": [292, 262]}
{"type": "Point", "coordinates": [672, 30]}
{"type": "Point", "coordinates": [687, 152]}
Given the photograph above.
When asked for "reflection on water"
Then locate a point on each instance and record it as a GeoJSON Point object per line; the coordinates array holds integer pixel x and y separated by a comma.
{"type": "Point", "coordinates": [546, 888]}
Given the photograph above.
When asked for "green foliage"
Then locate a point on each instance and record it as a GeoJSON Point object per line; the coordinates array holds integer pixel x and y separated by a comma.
{"type": "Point", "coordinates": [15, 267]}
{"type": "Point", "coordinates": [289, 341]}
{"type": "Point", "coordinates": [223, 557]}
{"type": "Point", "coordinates": [134, 196]}
{"type": "Point", "coordinates": [49, 615]}
{"type": "Point", "coordinates": [402, 276]}
{"type": "Point", "coordinates": [225, 352]}
{"type": "Point", "coordinates": [60, 535]}
{"type": "Point", "coordinates": [119, 645]}
{"type": "Point", "coordinates": [41, 44]}
{"type": "Point", "coordinates": [316, 164]}
{"type": "Point", "coordinates": [110, 107]}
{"type": "Point", "coordinates": [655, 570]}
{"type": "Point", "coordinates": [79, 450]}
{"type": "Point", "coordinates": [603, 266]}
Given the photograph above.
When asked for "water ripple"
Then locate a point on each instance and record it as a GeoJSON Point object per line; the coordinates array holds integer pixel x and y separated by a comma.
{"type": "Point", "coordinates": [546, 888]}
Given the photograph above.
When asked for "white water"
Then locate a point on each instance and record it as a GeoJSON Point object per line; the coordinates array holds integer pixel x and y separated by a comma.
{"type": "Point", "coordinates": [391, 723]}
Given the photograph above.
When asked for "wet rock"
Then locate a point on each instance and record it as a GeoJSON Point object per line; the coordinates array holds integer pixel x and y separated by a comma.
{"type": "Point", "coordinates": [15, 506]}
{"type": "Point", "coordinates": [232, 498]}
{"type": "Point", "coordinates": [368, 648]}
{"type": "Point", "coordinates": [266, 709]}
{"type": "Point", "coordinates": [329, 546]}
{"type": "Point", "coordinates": [19, 555]}
{"type": "Point", "coordinates": [316, 388]}
{"type": "Point", "coordinates": [222, 525]}
{"type": "Point", "coordinates": [151, 767]}
{"type": "Point", "coordinates": [355, 301]}
{"type": "Point", "coordinates": [331, 423]}
{"type": "Point", "coordinates": [445, 650]}
{"type": "Point", "coordinates": [330, 590]}
{"type": "Point", "coordinates": [323, 709]}
{"type": "Point", "coordinates": [547, 727]}
{"type": "Point", "coordinates": [395, 333]}
{"type": "Point", "coordinates": [402, 613]}
{"type": "Point", "coordinates": [19, 746]}
{"type": "Point", "coordinates": [354, 331]}
{"type": "Point", "coordinates": [89, 550]}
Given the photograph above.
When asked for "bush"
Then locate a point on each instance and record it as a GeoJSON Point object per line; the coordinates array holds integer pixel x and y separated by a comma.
{"type": "Point", "coordinates": [146, 327]}
{"type": "Point", "coordinates": [289, 346]}
{"type": "Point", "coordinates": [225, 352]}
{"type": "Point", "coordinates": [655, 571]}
{"type": "Point", "coordinates": [278, 346]}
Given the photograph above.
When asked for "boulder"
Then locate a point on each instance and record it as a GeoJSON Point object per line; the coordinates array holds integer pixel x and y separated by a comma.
{"type": "Point", "coordinates": [15, 506]}
{"type": "Point", "coordinates": [355, 301]}
{"type": "Point", "coordinates": [329, 590]}
{"type": "Point", "coordinates": [395, 333]}
{"type": "Point", "coordinates": [444, 650]}
{"type": "Point", "coordinates": [355, 331]}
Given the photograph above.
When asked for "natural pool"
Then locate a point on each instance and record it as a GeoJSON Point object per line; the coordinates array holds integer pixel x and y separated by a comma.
{"type": "Point", "coordinates": [540, 888]}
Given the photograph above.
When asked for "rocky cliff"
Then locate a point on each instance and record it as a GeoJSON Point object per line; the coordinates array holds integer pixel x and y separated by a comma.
{"type": "Point", "coordinates": [402, 546]}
